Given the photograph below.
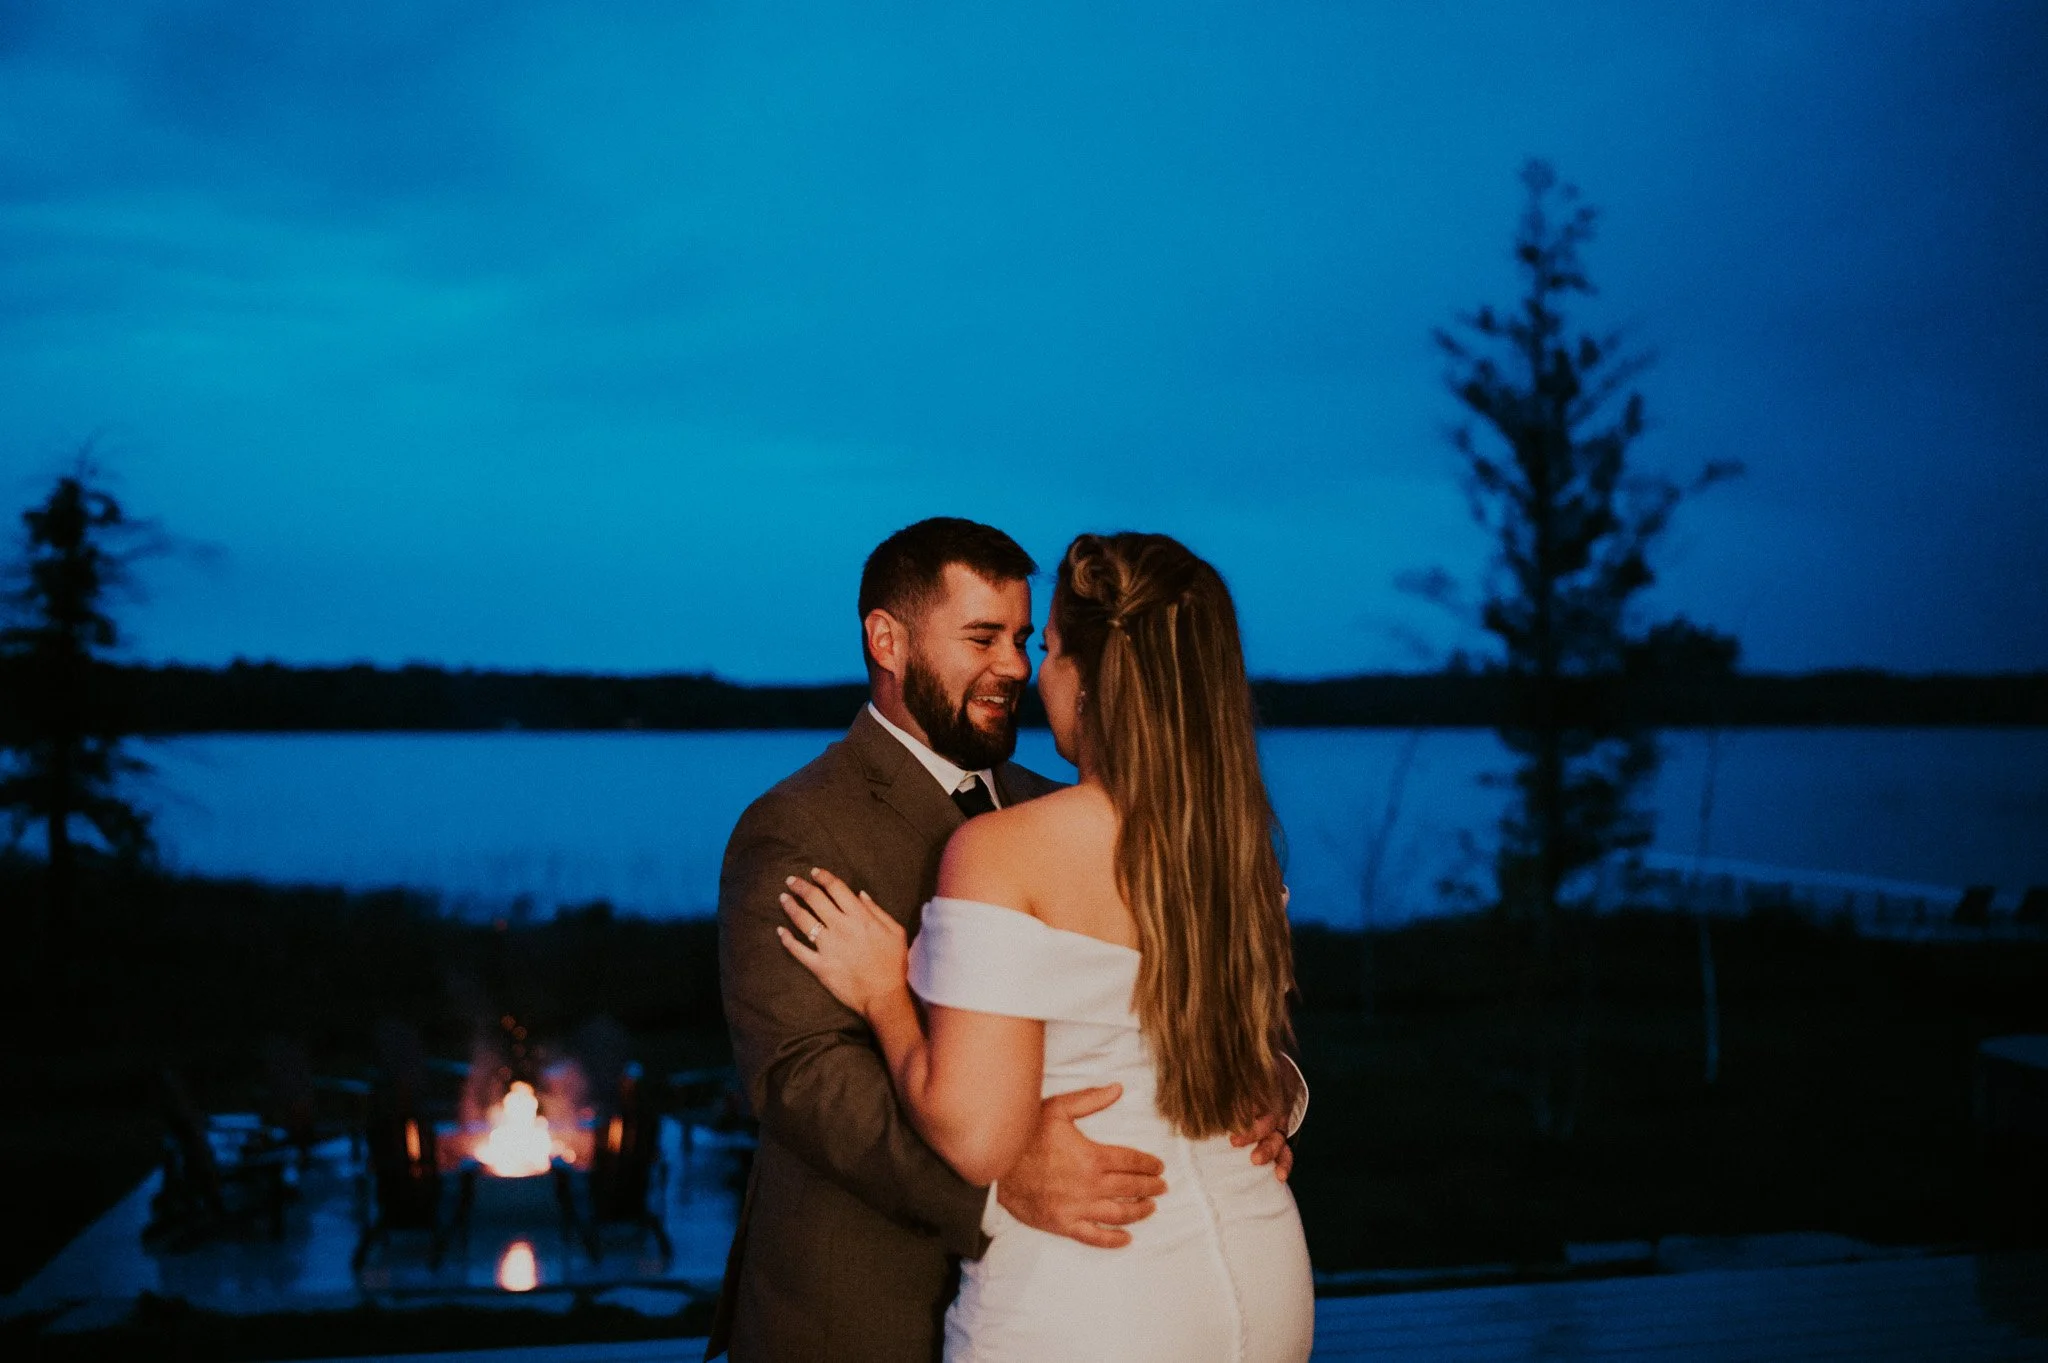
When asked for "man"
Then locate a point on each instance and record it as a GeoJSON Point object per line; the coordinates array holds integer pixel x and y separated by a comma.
{"type": "Point", "coordinates": [851, 1226]}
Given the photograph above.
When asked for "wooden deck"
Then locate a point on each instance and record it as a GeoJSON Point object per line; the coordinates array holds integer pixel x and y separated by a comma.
{"type": "Point", "coordinates": [1950, 1309]}
{"type": "Point", "coordinates": [1953, 1307]}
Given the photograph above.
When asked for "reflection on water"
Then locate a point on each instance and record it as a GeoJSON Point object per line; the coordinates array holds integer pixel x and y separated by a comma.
{"type": "Point", "coordinates": [517, 1271]}
{"type": "Point", "coordinates": [641, 819]}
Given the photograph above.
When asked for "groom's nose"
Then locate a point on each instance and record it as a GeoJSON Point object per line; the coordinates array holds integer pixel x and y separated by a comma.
{"type": "Point", "coordinates": [1010, 661]}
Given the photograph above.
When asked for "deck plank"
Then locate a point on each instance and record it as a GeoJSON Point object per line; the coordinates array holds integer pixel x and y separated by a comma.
{"type": "Point", "coordinates": [1945, 1307]}
{"type": "Point", "coordinates": [1954, 1307]}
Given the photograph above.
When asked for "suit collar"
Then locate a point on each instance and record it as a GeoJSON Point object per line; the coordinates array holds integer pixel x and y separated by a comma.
{"type": "Point", "coordinates": [947, 774]}
{"type": "Point", "coordinates": [899, 780]}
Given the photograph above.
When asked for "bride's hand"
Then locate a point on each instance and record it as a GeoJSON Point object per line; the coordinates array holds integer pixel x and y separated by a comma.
{"type": "Point", "coordinates": [854, 948]}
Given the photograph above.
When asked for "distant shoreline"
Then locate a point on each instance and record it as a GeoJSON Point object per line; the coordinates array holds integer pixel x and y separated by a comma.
{"type": "Point", "coordinates": [245, 697]}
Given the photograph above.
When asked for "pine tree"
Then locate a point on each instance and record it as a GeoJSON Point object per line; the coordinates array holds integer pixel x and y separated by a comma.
{"type": "Point", "coordinates": [1544, 456]}
{"type": "Point", "coordinates": [66, 751]}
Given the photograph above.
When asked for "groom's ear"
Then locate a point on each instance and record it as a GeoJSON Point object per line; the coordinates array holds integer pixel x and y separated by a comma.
{"type": "Point", "coordinates": [888, 642]}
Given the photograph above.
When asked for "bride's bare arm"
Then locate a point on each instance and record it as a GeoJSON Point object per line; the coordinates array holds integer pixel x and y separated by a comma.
{"type": "Point", "coordinates": [971, 1086]}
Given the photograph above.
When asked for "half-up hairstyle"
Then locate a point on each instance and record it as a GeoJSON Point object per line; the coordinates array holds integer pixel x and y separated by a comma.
{"type": "Point", "coordinates": [1170, 723]}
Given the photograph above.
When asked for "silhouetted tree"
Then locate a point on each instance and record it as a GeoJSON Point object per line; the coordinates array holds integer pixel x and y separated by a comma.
{"type": "Point", "coordinates": [1545, 469]}
{"type": "Point", "coordinates": [66, 755]}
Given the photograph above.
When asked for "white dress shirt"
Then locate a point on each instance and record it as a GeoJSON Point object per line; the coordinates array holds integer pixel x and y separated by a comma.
{"type": "Point", "coordinates": [951, 778]}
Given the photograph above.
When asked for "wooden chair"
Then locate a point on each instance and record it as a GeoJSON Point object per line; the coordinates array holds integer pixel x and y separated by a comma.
{"type": "Point", "coordinates": [1973, 910]}
{"type": "Point", "coordinates": [405, 1177]}
{"type": "Point", "coordinates": [202, 1195]}
{"type": "Point", "coordinates": [709, 1098]}
{"type": "Point", "coordinates": [626, 1177]}
{"type": "Point", "coordinates": [402, 1153]}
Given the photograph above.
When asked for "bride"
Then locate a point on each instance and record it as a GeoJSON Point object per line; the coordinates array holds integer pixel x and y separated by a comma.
{"type": "Point", "coordinates": [1129, 929]}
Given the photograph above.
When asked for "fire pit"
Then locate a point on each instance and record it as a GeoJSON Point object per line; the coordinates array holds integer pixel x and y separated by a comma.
{"type": "Point", "coordinates": [520, 1118]}
{"type": "Point", "coordinates": [585, 1123]}
{"type": "Point", "coordinates": [528, 1127]}
{"type": "Point", "coordinates": [518, 1142]}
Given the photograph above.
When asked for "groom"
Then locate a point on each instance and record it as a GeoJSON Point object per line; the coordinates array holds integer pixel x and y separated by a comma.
{"type": "Point", "coordinates": [851, 1226]}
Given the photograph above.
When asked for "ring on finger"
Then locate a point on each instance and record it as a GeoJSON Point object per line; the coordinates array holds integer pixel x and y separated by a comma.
{"type": "Point", "coordinates": [812, 935]}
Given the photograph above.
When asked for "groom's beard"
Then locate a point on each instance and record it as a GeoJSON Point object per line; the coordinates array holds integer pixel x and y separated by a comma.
{"type": "Point", "coordinates": [945, 722]}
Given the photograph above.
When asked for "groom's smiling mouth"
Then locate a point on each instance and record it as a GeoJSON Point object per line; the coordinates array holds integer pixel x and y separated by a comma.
{"type": "Point", "coordinates": [991, 707]}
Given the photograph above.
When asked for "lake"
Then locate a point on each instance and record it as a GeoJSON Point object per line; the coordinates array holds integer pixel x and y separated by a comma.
{"type": "Point", "coordinates": [640, 819]}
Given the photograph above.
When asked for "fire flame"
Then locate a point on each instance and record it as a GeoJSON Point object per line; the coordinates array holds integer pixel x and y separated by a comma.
{"type": "Point", "coordinates": [518, 1144]}
{"type": "Point", "coordinates": [518, 1271]}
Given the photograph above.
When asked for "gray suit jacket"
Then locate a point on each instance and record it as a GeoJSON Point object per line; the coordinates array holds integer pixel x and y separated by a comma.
{"type": "Point", "coordinates": [847, 1238]}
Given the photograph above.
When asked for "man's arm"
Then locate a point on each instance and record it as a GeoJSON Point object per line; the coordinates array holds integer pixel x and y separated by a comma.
{"type": "Point", "coordinates": [809, 1064]}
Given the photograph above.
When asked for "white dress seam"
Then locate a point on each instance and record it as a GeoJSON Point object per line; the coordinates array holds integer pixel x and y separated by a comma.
{"type": "Point", "coordinates": [1214, 1219]}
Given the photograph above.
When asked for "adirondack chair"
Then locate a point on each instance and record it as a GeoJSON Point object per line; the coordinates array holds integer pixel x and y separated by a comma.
{"type": "Point", "coordinates": [2012, 1125]}
{"type": "Point", "coordinates": [1973, 910]}
{"type": "Point", "coordinates": [203, 1194]}
{"type": "Point", "coordinates": [626, 1177]}
{"type": "Point", "coordinates": [710, 1099]}
{"type": "Point", "coordinates": [403, 1154]}
{"type": "Point", "coordinates": [291, 1097]}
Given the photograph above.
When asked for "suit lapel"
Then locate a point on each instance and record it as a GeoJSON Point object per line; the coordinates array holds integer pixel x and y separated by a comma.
{"type": "Point", "coordinates": [899, 780]}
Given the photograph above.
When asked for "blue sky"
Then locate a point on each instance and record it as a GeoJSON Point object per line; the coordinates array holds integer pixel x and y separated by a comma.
{"type": "Point", "coordinates": [611, 336]}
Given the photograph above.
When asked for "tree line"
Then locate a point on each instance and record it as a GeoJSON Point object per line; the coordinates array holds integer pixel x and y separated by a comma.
{"type": "Point", "coordinates": [268, 697]}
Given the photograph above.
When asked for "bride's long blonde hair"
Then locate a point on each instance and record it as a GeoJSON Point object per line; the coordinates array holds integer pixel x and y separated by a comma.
{"type": "Point", "coordinates": [1168, 720]}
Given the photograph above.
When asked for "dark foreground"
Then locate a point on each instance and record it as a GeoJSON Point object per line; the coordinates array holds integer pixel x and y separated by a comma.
{"type": "Point", "coordinates": [1844, 1102]}
{"type": "Point", "coordinates": [1960, 1308]}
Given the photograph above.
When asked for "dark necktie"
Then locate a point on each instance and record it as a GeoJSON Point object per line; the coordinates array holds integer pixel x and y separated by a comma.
{"type": "Point", "coordinates": [974, 799]}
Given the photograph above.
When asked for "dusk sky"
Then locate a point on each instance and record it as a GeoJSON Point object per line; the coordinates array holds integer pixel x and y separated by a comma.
{"type": "Point", "coordinates": [612, 336]}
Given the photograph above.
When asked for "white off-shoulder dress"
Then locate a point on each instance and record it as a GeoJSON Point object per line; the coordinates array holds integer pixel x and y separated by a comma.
{"type": "Point", "coordinates": [1220, 1272]}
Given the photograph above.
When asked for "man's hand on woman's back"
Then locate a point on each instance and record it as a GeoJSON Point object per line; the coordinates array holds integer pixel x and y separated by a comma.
{"type": "Point", "coordinates": [1268, 1139]}
{"type": "Point", "coordinates": [1068, 1185]}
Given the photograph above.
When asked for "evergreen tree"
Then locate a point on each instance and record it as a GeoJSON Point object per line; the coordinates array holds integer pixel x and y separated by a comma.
{"type": "Point", "coordinates": [65, 747]}
{"type": "Point", "coordinates": [1544, 455]}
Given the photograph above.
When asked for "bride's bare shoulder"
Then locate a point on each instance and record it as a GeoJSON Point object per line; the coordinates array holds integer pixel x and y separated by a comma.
{"type": "Point", "coordinates": [1003, 857]}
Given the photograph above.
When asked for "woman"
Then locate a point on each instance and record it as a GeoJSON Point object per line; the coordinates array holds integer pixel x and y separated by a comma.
{"type": "Point", "coordinates": [1130, 929]}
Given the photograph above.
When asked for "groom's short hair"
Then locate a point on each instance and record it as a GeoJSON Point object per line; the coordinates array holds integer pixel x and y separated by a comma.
{"type": "Point", "coordinates": [908, 569]}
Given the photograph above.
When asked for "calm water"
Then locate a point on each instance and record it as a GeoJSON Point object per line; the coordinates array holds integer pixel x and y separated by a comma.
{"type": "Point", "coordinates": [641, 819]}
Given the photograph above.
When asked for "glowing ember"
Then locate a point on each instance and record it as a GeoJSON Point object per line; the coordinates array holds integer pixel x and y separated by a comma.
{"type": "Point", "coordinates": [518, 1271]}
{"type": "Point", "coordinates": [518, 1144]}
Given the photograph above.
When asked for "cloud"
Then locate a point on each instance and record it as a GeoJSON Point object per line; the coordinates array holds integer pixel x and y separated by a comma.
{"type": "Point", "coordinates": [382, 298]}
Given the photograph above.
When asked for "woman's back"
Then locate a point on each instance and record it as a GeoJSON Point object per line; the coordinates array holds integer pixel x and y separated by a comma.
{"type": "Point", "coordinates": [1053, 858]}
{"type": "Point", "coordinates": [1030, 924]}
